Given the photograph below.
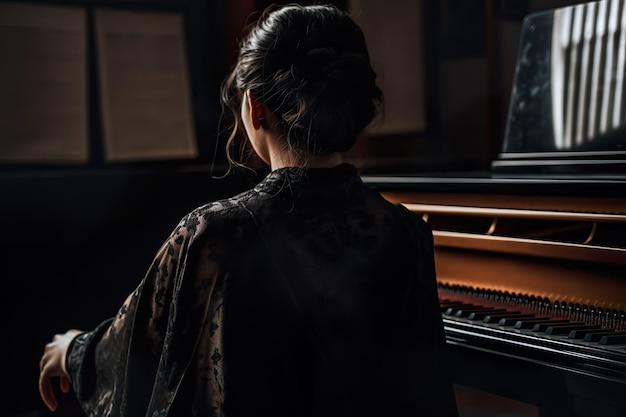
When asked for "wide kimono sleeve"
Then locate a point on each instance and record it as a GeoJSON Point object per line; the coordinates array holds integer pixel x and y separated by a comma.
{"type": "Point", "coordinates": [133, 364]}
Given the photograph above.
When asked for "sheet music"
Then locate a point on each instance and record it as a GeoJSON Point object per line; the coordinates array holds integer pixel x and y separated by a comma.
{"type": "Point", "coordinates": [144, 86]}
{"type": "Point", "coordinates": [401, 75]}
{"type": "Point", "coordinates": [43, 97]}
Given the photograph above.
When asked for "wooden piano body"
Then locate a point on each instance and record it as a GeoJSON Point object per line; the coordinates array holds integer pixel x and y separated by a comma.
{"type": "Point", "coordinates": [516, 245]}
{"type": "Point", "coordinates": [541, 239]}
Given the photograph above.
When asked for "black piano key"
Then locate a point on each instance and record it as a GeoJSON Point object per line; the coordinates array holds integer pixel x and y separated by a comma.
{"type": "Point", "coordinates": [449, 303]}
{"type": "Point", "coordinates": [510, 321]}
{"type": "Point", "coordinates": [479, 315]}
{"type": "Point", "coordinates": [613, 339]}
{"type": "Point", "coordinates": [582, 333]}
{"type": "Point", "coordinates": [561, 330]}
{"type": "Point", "coordinates": [446, 306]}
{"type": "Point", "coordinates": [453, 309]}
{"type": "Point", "coordinates": [529, 324]}
{"type": "Point", "coordinates": [457, 304]}
{"type": "Point", "coordinates": [465, 311]}
{"type": "Point", "coordinates": [542, 327]}
{"type": "Point", "coordinates": [596, 336]}
{"type": "Point", "coordinates": [494, 318]}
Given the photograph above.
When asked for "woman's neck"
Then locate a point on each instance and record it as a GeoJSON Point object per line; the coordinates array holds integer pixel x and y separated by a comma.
{"type": "Point", "coordinates": [271, 147]}
{"type": "Point", "coordinates": [282, 160]}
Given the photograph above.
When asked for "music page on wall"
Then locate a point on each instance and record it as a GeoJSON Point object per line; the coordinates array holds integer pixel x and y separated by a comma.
{"type": "Point", "coordinates": [397, 55]}
{"type": "Point", "coordinates": [43, 97]}
{"type": "Point", "coordinates": [144, 86]}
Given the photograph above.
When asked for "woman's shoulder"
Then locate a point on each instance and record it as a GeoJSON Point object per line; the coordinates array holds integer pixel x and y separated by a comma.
{"type": "Point", "coordinates": [415, 222]}
{"type": "Point", "coordinates": [226, 213]}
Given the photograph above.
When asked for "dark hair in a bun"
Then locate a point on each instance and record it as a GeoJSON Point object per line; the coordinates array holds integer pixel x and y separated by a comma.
{"type": "Point", "coordinates": [311, 67]}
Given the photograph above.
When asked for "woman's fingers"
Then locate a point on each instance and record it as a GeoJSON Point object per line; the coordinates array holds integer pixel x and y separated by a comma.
{"type": "Point", "coordinates": [45, 389]}
{"type": "Point", "coordinates": [52, 365]}
{"type": "Point", "coordinates": [65, 385]}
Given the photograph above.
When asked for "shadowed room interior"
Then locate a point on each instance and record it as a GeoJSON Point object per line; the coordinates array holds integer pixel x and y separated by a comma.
{"type": "Point", "coordinates": [111, 130]}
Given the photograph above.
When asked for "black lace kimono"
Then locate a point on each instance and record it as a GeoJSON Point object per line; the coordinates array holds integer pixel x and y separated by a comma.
{"type": "Point", "coordinates": [309, 295]}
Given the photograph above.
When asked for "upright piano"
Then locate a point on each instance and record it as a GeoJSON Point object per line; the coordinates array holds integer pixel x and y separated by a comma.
{"type": "Point", "coordinates": [531, 258]}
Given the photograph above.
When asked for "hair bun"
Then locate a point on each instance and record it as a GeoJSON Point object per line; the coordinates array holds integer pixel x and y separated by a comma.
{"type": "Point", "coordinates": [311, 67]}
{"type": "Point", "coordinates": [320, 55]}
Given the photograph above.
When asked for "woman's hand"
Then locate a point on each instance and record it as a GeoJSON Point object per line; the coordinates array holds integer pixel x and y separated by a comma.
{"type": "Point", "coordinates": [52, 365]}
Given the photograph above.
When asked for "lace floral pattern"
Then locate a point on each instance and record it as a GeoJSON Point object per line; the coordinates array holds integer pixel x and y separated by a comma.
{"type": "Point", "coordinates": [164, 353]}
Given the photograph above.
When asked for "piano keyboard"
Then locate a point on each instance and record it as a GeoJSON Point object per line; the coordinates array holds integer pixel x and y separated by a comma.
{"type": "Point", "coordinates": [579, 337]}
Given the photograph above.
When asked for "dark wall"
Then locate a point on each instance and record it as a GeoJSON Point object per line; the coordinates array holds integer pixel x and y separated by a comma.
{"type": "Point", "coordinates": [74, 245]}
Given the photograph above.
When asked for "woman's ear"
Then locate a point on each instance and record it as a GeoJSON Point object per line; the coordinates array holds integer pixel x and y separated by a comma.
{"type": "Point", "coordinates": [257, 110]}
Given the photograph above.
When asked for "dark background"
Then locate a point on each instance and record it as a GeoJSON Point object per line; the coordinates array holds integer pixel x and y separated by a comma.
{"type": "Point", "coordinates": [76, 239]}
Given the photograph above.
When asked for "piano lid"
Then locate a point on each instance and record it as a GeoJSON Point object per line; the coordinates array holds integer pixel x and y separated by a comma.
{"type": "Point", "coordinates": [567, 114]}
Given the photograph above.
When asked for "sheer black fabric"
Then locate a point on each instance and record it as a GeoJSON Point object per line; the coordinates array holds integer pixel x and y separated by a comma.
{"type": "Point", "coordinates": [309, 295]}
